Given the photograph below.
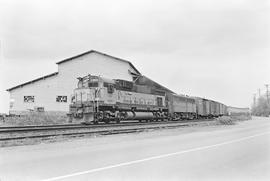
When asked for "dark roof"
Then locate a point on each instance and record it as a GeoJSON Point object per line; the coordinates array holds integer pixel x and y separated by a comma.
{"type": "Point", "coordinates": [145, 80]}
{"type": "Point", "coordinates": [94, 51]}
{"type": "Point", "coordinates": [32, 81]}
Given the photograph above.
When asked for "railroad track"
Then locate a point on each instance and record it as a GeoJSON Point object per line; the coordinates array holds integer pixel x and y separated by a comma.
{"type": "Point", "coordinates": [59, 127]}
{"type": "Point", "coordinates": [37, 126]}
{"type": "Point", "coordinates": [21, 133]}
{"type": "Point", "coordinates": [82, 126]}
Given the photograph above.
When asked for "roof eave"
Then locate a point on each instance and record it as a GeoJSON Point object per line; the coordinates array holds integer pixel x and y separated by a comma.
{"type": "Point", "coordinates": [94, 51]}
{"type": "Point", "coordinates": [32, 81]}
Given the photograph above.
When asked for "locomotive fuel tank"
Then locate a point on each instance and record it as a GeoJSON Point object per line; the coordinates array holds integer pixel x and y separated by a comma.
{"type": "Point", "coordinates": [138, 115]}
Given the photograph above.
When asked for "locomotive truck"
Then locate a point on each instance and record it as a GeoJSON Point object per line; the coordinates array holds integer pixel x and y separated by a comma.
{"type": "Point", "coordinates": [97, 99]}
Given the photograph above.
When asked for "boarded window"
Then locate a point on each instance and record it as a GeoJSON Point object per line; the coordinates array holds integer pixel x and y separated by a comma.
{"type": "Point", "coordinates": [28, 99]}
{"type": "Point", "coordinates": [61, 99]}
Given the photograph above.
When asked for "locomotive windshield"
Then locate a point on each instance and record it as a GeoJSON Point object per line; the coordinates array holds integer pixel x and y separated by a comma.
{"type": "Point", "coordinates": [88, 81]}
{"type": "Point", "coordinates": [93, 84]}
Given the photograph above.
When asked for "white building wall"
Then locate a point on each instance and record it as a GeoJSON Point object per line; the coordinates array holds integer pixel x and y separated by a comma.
{"type": "Point", "coordinates": [43, 92]}
{"type": "Point", "coordinates": [63, 84]}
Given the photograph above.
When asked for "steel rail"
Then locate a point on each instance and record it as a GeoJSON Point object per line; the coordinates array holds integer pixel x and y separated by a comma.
{"type": "Point", "coordinates": [99, 132]}
{"type": "Point", "coordinates": [61, 125]}
{"type": "Point", "coordinates": [37, 126]}
{"type": "Point", "coordinates": [80, 126]}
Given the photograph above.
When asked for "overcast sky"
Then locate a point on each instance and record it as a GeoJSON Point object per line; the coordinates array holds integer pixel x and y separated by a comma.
{"type": "Point", "coordinates": [218, 49]}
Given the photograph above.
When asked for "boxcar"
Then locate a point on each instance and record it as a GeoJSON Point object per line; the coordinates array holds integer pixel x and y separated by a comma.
{"type": "Point", "coordinates": [214, 108]}
{"type": "Point", "coordinates": [202, 107]}
{"type": "Point", "coordinates": [217, 113]}
{"type": "Point", "coordinates": [223, 110]}
{"type": "Point", "coordinates": [220, 109]}
{"type": "Point", "coordinates": [181, 107]}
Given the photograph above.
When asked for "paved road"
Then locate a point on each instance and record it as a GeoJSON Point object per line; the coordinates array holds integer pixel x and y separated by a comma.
{"type": "Point", "coordinates": [239, 152]}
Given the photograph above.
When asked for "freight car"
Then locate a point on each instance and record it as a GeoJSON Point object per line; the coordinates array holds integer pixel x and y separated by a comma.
{"type": "Point", "coordinates": [97, 99]}
{"type": "Point", "coordinates": [223, 110]}
{"type": "Point", "coordinates": [181, 107]}
{"type": "Point", "coordinates": [208, 108]}
{"type": "Point", "coordinates": [202, 107]}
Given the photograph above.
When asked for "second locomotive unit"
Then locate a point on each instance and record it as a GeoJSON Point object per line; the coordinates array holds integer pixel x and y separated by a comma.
{"type": "Point", "coordinates": [97, 99]}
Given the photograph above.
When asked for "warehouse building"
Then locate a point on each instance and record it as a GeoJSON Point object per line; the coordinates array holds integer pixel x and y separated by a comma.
{"type": "Point", "coordinates": [53, 92]}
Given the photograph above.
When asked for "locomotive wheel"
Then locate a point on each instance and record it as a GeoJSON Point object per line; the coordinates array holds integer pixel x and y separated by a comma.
{"type": "Point", "coordinates": [117, 120]}
{"type": "Point", "coordinates": [70, 119]}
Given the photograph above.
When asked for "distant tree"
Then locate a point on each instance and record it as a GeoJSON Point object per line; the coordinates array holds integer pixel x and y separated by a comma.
{"type": "Point", "coordinates": [262, 108]}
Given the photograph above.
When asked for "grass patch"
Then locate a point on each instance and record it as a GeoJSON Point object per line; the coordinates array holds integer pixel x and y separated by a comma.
{"type": "Point", "coordinates": [231, 120]}
{"type": "Point", "coordinates": [36, 118]}
{"type": "Point", "coordinates": [225, 120]}
{"type": "Point", "coordinates": [242, 117]}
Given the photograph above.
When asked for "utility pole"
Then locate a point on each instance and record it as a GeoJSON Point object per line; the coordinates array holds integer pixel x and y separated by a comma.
{"type": "Point", "coordinates": [254, 100]}
{"type": "Point", "coordinates": [267, 85]}
{"type": "Point", "coordinates": [259, 91]}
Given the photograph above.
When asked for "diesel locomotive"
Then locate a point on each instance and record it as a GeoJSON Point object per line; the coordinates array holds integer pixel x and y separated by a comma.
{"type": "Point", "coordinates": [97, 99]}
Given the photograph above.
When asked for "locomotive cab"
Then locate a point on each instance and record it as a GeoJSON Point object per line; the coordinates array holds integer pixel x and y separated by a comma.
{"type": "Point", "coordinates": [90, 94]}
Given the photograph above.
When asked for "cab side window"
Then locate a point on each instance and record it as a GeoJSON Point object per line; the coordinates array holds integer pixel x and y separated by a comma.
{"type": "Point", "coordinates": [110, 89]}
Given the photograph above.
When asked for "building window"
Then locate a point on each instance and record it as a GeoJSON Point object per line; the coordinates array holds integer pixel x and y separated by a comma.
{"type": "Point", "coordinates": [29, 99]}
{"type": "Point", "coordinates": [61, 99]}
